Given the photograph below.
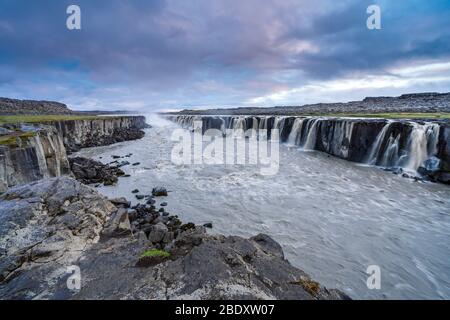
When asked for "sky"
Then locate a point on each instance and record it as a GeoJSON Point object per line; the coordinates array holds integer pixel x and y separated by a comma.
{"type": "Point", "coordinates": [158, 55]}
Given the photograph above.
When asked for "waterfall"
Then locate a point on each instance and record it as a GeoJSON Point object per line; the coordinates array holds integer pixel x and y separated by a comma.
{"type": "Point", "coordinates": [422, 144]}
{"type": "Point", "coordinates": [255, 124]}
{"type": "Point", "coordinates": [376, 147]}
{"type": "Point", "coordinates": [390, 156]}
{"type": "Point", "coordinates": [263, 123]}
{"type": "Point", "coordinates": [239, 123]}
{"type": "Point", "coordinates": [296, 132]}
{"type": "Point", "coordinates": [408, 145]}
{"type": "Point", "coordinates": [312, 135]}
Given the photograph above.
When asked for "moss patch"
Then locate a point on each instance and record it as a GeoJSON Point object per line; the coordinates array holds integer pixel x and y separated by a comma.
{"type": "Point", "coordinates": [155, 253]}
{"type": "Point", "coordinates": [11, 140]}
{"type": "Point", "coordinates": [152, 257]}
{"type": "Point", "coordinates": [309, 285]}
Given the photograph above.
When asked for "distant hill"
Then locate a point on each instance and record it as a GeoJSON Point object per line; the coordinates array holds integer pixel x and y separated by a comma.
{"type": "Point", "coordinates": [414, 103]}
{"type": "Point", "coordinates": [10, 107]}
{"type": "Point", "coordinates": [32, 107]}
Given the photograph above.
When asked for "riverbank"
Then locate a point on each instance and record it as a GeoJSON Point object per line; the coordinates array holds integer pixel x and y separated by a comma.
{"type": "Point", "coordinates": [52, 227]}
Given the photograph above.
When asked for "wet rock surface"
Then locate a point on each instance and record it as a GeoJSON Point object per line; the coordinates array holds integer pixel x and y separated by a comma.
{"type": "Point", "coordinates": [131, 253]}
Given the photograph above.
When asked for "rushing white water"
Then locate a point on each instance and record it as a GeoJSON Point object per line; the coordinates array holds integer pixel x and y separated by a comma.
{"type": "Point", "coordinates": [376, 147]}
{"type": "Point", "coordinates": [333, 218]}
{"type": "Point", "coordinates": [312, 135]}
{"type": "Point", "coordinates": [422, 144]}
{"type": "Point", "coordinates": [296, 131]}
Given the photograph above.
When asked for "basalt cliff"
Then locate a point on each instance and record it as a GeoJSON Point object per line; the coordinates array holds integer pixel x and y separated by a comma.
{"type": "Point", "coordinates": [415, 148]}
{"type": "Point", "coordinates": [39, 150]}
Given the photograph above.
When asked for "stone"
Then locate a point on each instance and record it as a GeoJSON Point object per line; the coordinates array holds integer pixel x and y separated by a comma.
{"type": "Point", "coordinates": [120, 202]}
{"type": "Point", "coordinates": [47, 224]}
{"type": "Point", "coordinates": [208, 225]}
{"type": "Point", "coordinates": [157, 233]}
{"type": "Point", "coordinates": [159, 192]}
{"type": "Point", "coordinates": [443, 177]}
{"type": "Point", "coordinates": [90, 171]}
{"type": "Point", "coordinates": [164, 204]}
{"type": "Point", "coordinates": [118, 225]}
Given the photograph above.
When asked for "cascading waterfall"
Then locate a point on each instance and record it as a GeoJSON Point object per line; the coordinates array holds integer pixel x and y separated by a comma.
{"type": "Point", "coordinates": [422, 144]}
{"type": "Point", "coordinates": [296, 132]}
{"type": "Point", "coordinates": [390, 156]}
{"type": "Point", "coordinates": [377, 145]}
{"type": "Point", "coordinates": [263, 123]}
{"type": "Point", "coordinates": [311, 139]}
{"type": "Point", "coordinates": [409, 145]}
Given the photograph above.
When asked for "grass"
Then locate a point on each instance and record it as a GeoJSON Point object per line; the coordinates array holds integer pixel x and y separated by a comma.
{"type": "Point", "coordinates": [433, 115]}
{"type": "Point", "coordinates": [47, 118]}
{"type": "Point", "coordinates": [11, 140]}
{"type": "Point", "coordinates": [155, 253]}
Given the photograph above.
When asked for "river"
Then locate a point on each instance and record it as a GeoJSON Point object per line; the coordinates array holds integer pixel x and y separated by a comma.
{"type": "Point", "coordinates": [334, 218]}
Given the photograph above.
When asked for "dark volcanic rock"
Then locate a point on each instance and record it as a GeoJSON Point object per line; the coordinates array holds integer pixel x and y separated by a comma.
{"type": "Point", "coordinates": [200, 266]}
{"type": "Point", "coordinates": [89, 171]}
{"type": "Point", "coordinates": [159, 192]}
{"type": "Point", "coordinates": [50, 225]}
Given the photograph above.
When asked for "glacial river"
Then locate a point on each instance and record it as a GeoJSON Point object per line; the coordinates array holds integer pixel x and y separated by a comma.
{"type": "Point", "coordinates": [334, 218]}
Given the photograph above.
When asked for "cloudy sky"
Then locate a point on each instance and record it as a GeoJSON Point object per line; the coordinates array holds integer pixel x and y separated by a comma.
{"type": "Point", "coordinates": [171, 54]}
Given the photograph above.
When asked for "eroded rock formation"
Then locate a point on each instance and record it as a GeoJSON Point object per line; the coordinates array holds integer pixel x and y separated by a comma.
{"type": "Point", "coordinates": [42, 151]}
{"type": "Point", "coordinates": [124, 253]}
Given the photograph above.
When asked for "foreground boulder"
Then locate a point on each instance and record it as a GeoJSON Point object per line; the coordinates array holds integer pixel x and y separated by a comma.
{"type": "Point", "coordinates": [50, 226]}
{"type": "Point", "coordinates": [45, 226]}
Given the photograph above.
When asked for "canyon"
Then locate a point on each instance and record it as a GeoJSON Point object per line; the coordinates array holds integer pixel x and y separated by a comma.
{"type": "Point", "coordinates": [51, 224]}
{"type": "Point", "coordinates": [40, 150]}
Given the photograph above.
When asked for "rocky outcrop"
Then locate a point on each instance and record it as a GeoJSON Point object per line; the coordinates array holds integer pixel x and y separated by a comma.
{"type": "Point", "coordinates": [413, 145]}
{"type": "Point", "coordinates": [89, 171]}
{"type": "Point", "coordinates": [51, 226]}
{"type": "Point", "coordinates": [41, 152]}
{"type": "Point", "coordinates": [44, 228]}
{"type": "Point", "coordinates": [79, 134]}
